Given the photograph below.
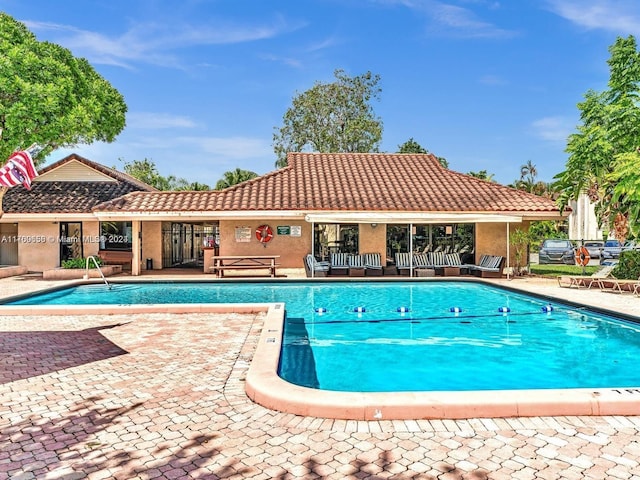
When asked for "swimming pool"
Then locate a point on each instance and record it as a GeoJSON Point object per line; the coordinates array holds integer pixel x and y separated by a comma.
{"type": "Point", "coordinates": [459, 318]}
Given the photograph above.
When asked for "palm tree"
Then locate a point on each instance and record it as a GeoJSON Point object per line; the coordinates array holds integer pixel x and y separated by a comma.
{"type": "Point", "coordinates": [233, 177]}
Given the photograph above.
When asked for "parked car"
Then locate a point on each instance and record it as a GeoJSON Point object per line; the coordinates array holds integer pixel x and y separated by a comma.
{"type": "Point", "coordinates": [557, 251]}
{"type": "Point", "coordinates": [594, 248]}
{"type": "Point", "coordinates": [631, 245]}
{"type": "Point", "coordinates": [611, 250]}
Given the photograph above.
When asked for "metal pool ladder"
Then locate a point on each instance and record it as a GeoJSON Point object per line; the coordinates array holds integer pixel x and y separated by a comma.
{"type": "Point", "coordinates": [95, 262]}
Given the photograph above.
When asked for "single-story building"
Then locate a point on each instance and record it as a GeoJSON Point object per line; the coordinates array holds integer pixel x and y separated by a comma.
{"type": "Point", "coordinates": [320, 203]}
{"type": "Point", "coordinates": [54, 221]}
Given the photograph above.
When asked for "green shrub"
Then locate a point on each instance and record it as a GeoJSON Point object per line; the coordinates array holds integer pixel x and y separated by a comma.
{"type": "Point", "coordinates": [79, 263]}
{"type": "Point", "coordinates": [628, 266]}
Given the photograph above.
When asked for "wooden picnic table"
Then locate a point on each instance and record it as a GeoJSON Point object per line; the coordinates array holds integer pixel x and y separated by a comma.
{"type": "Point", "coordinates": [244, 262]}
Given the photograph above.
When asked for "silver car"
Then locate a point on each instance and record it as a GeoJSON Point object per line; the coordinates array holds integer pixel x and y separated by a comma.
{"type": "Point", "coordinates": [594, 248]}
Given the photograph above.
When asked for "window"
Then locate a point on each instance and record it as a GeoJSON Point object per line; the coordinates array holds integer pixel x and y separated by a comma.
{"type": "Point", "coordinates": [335, 238]}
{"type": "Point", "coordinates": [450, 237]}
{"type": "Point", "coordinates": [115, 236]}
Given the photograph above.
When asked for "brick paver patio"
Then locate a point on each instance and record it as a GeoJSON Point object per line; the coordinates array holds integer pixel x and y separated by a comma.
{"type": "Point", "coordinates": [162, 396]}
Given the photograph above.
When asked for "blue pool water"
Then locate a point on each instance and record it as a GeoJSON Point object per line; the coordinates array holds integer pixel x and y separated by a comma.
{"type": "Point", "coordinates": [384, 337]}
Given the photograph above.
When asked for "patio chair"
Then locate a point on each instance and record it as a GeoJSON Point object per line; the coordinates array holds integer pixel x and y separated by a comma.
{"type": "Point", "coordinates": [422, 265]}
{"type": "Point", "coordinates": [584, 281]}
{"type": "Point", "coordinates": [339, 264]}
{"type": "Point", "coordinates": [314, 268]}
{"type": "Point", "coordinates": [356, 265]}
{"type": "Point", "coordinates": [618, 285]}
{"type": "Point", "coordinates": [422, 260]}
{"type": "Point", "coordinates": [438, 259]}
{"type": "Point", "coordinates": [372, 264]}
{"type": "Point", "coordinates": [490, 266]}
{"type": "Point", "coordinates": [454, 263]}
{"type": "Point", "coordinates": [403, 263]}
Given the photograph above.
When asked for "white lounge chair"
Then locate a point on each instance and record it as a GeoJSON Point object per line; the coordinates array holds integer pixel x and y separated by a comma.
{"type": "Point", "coordinates": [314, 268]}
{"type": "Point", "coordinates": [372, 264]}
{"type": "Point", "coordinates": [339, 264]}
{"type": "Point", "coordinates": [584, 281]}
{"type": "Point", "coordinates": [403, 263]}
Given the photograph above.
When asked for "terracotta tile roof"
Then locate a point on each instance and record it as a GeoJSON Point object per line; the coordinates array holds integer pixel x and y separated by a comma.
{"type": "Point", "coordinates": [70, 197]}
{"type": "Point", "coordinates": [380, 182]}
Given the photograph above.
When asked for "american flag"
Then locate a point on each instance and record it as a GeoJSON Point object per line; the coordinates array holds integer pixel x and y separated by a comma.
{"type": "Point", "coordinates": [19, 169]}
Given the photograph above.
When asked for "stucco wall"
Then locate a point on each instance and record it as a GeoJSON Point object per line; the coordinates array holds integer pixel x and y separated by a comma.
{"type": "Point", "coordinates": [91, 234]}
{"type": "Point", "coordinates": [8, 247]}
{"type": "Point", "coordinates": [491, 239]}
{"type": "Point", "coordinates": [291, 249]}
{"type": "Point", "coordinates": [152, 244]}
{"type": "Point", "coordinates": [39, 248]}
{"type": "Point", "coordinates": [373, 240]}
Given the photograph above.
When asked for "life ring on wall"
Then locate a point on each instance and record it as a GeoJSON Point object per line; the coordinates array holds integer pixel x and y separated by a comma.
{"type": "Point", "coordinates": [582, 256]}
{"type": "Point", "coordinates": [264, 233]}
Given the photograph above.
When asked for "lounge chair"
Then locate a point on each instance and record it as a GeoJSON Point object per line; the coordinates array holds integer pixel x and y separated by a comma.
{"type": "Point", "coordinates": [618, 285]}
{"type": "Point", "coordinates": [422, 260]}
{"type": "Point", "coordinates": [438, 259]}
{"type": "Point", "coordinates": [356, 265]}
{"type": "Point", "coordinates": [490, 266]}
{"type": "Point", "coordinates": [454, 264]}
{"type": "Point", "coordinates": [339, 264]}
{"type": "Point", "coordinates": [584, 281]}
{"type": "Point", "coordinates": [372, 264]}
{"type": "Point", "coordinates": [422, 265]}
{"type": "Point", "coordinates": [314, 268]}
{"type": "Point", "coordinates": [403, 263]}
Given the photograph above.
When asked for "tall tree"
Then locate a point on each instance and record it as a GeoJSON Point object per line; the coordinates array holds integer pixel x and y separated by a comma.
{"type": "Point", "coordinates": [49, 97]}
{"type": "Point", "coordinates": [411, 146]}
{"type": "Point", "coordinates": [147, 172]}
{"type": "Point", "coordinates": [331, 117]}
{"type": "Point", "coordinates": [482, 175]}
{"type": "Point", "coordinates": [603, 154]}
{"type": "Point", "coordinates": [233, 177]}
{"type": "Point", "coordinates": [529, 182]}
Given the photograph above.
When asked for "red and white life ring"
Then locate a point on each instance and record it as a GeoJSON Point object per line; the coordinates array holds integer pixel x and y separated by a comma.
{"type": "Point", "coordinates": [582, 256]}
{"type": "Point", "coordinates": [264, 234]}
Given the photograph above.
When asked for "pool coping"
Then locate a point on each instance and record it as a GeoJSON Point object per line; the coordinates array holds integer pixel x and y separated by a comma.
{"type": "Point", "coordinates": [265, 387]}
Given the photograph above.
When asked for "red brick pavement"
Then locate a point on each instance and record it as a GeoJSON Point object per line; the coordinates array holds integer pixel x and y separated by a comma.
{"type": "Point", "coordinates": [161, 396]}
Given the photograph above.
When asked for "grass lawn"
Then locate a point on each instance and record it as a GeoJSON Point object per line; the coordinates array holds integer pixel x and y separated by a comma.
{"type": "Point", "coordinates": [555, 270]}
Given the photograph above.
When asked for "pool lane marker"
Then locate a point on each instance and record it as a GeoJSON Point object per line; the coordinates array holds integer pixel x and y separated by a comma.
{"type": "Point", "coordinates": [466, 318]}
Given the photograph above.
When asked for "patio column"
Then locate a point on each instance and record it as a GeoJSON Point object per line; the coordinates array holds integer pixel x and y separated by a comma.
{"type": "Point", "coordinates": [411, 249]}
{"type": "Point", "coordinates": [508, 255]}
{"type": "Point", "coordinates": [135, 247]}
{"type": "Point", "coordinates": [313, 246]}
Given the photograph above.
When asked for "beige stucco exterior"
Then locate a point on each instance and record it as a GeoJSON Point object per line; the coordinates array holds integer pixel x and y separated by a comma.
{"type": "Point", "coordinates": [9, 250]}
{"type": "Point", "coordinates": [373, 240]}
{"type": "Point", "coordinates": [39, 243]}
{"type": "Point", "coordinates": [151, 244]}
{"type": "Point", "coordinates": [291, 248]}
{"type": "Point", "coordinates": [38, 248]}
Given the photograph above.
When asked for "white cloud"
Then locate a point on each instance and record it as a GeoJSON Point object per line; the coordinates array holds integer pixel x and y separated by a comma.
{"type": "Point", "coordinates": [553, 129]}
{"type": "Point", "coordinates": [449, 19]}
{"type": "Point", "coordinates": [151, 43]}
{"type": "Point", "coordinates": [622, 16]}
{"type": "Point", "coordinates": [149, 120]}
{"type": "Point", "coordinates": [235, 148]}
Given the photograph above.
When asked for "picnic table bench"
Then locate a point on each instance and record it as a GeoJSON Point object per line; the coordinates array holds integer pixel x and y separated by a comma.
{"type": "Point", "coordinates": [244, 262]}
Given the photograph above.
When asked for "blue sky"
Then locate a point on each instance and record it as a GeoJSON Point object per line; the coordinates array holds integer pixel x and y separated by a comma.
{"type": "Point", "coordinates": [486, 84]}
